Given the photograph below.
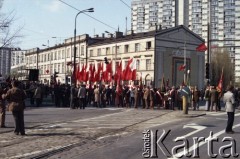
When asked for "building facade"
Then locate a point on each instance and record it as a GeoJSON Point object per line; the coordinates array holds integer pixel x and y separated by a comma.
{"type": "Point", "coordinates": [18, 65]}
{"type": "Point", "coordinates": [222, 15]}
{"type": "Point", "coordinates": [118, 48]}
{"type": "Point", "coordinates": [5, 61]}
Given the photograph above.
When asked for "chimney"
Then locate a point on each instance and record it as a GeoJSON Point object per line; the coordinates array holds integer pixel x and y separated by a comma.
{"type": "Point", "coordinates": [103, 35]}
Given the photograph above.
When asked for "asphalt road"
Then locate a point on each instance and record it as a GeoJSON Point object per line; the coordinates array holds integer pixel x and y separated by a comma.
{"type": "Point", "coordinates": [112, 133]}
{"type": "Point", "coordinates": [131, 146]}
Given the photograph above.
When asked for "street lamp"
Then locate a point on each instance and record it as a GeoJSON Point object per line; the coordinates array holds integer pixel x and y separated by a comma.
{"type": "Point", "coordinates": [75, 51]}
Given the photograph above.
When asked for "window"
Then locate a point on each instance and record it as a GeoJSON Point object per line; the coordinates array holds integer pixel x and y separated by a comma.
{"type": "Point", "coordinates": [77, 52]}
{"type": "Point", "coordinates": [68, 52]}
{"type": "Point", "coordinates": [99, 52]}
{"type": "Point", "coordinates": [91, 53]}
{"type": "Point", "coordinates": [126, 48]}
{"type": "Point", "coordinates": [59, 66]}
{"type": "Point", "coordinates": [118, 48]}
{"type": "Point", "coordinates": [63, 54]}
{"type": "Point", "coordinates": [59, 55]}
{"type": "Point", "coordinates": [148, 45]}
{"type": "Point", "coordinates": [108, 51]}
{"type": "Point", "coordinates": [148, 64]}
{"type": "Point", "coordinates": [82, 50]}
{"type": "Point", "coordinates": [63, 68]}
{"type": "Point", "coordinates": [137, 65]}
{"type": "Point", "coordinates": [137, 47]}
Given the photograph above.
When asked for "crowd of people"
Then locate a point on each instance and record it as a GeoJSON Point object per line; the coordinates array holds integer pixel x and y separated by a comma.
{"type": "Point", "coordinates": [101, 96]}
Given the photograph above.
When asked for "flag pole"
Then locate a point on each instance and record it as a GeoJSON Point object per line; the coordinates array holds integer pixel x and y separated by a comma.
{"type": "Point", "coordinates": [184, 77]}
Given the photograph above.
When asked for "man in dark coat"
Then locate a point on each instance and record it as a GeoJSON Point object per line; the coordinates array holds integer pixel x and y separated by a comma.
{"type": "Point", "coordinates": [82, 96]}
{"type": "Point", "coordinates": [213, 98]}
{"type": "Point", "coordinates": [73, 97]}
{"type": "Point", "coordinates": [15, 98]}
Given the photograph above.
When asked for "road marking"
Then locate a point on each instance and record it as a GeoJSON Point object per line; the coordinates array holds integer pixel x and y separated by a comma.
{"type": "Point", "coordinates": [222, 113]}
{"type": "Point", "coordinates": [238, 114]}
{"type": "Point", "coordinates": [193, 126]}
{"type": "Point", "coordinates": [216, 113]}
{"type": "Point", "coordinates": [221, 119]}
{"type": "Point", "coordinates": [118, 134]}
{"type": "Point", "coordinates": [198, 145]}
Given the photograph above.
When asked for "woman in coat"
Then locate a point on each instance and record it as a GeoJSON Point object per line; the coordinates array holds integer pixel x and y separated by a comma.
{"type": "Point", "coordinates": [228, 99]}
{"type": "Point", "coordinates": [96, 97]}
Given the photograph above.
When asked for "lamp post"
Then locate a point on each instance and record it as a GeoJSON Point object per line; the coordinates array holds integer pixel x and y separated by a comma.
{"type": "Point", "coordinates": [75, 51]}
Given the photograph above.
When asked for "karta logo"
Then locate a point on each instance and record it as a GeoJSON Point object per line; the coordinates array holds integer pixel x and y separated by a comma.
{"type": "Point", "coordinates": [153, 142]}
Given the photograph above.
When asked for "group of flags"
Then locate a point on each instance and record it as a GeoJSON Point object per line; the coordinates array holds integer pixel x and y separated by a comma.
{"type": "Point", "coordinates": [90, 73]}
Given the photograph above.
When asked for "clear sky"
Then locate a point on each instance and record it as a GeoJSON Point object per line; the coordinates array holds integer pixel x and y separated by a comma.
{"type": "Point", "coordinates": [44, 19]}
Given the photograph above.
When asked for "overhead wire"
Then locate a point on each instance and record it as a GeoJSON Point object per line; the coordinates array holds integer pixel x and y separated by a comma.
{"type": "Point", "coordinates": [126, 4]}
{"type": "Point", "coordinates": [88, 15]}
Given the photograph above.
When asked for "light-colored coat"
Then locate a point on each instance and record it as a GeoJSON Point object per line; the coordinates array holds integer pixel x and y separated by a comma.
{"type": "Point", "coordinates": [96, 95]}
{"type": "Point", "coordinates": [228, 99]}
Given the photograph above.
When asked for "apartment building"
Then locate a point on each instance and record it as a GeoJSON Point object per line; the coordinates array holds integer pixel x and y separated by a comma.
{"type": "Point", "coordinates": [5, 61]}
{"type": "Point", "coordinates": [222, 15]}
{"type": "Point", "coordinates": [18, 65]}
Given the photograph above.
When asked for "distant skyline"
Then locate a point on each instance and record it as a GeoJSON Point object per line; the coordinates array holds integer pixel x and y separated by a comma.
{"type": "Point", "coordinates": [44, 19]}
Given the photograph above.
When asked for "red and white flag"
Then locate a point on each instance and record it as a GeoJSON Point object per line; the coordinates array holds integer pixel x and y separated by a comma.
{"type": "Point", "coordinates": [181, 67]}
{"type": "Point", "coordinates": [133, 73]}
{"type": "Point", "coordinates": [127, 71]}
{"type": "Point", "coordinates": [202, 47]}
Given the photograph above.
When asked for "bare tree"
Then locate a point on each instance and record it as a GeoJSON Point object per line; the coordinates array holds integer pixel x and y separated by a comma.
{"type": "Point", "coordinates": [8, 36]}
{"type": "Point", "coordinates": [221, 61]}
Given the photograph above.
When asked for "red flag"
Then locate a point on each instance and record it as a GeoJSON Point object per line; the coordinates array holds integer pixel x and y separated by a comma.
{"type": "Point", "coordinates": [109, 67]}
{"type": "Point", "coordinates": [119, 71]}
{"type": "Point", "coordinates": [181, 67]}
{"type": "Point", "coordinates": [128, 70]}
{"type": "Point", "coordinates": [85, 73]}
{"type": "Point", "coordinates": [92, 79]}
{"type": "Point", "coordinates": [86, 76]}
{"type": "Point", "coordinates": [220, 83]}
{"type": "Point", "coordinates": [202, 47]}
{"type": "Point", "coordinates": [132, 74]}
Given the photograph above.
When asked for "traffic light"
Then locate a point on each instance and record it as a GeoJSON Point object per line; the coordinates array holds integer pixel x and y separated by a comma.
{"type": "Point", "coordinates": [207, 70]}
{"type": "Point", "coordinates": [106, 60]}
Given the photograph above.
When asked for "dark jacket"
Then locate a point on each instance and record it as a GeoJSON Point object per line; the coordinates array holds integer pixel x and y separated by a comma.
{"type": "Point", "coordinates": [15, 98]}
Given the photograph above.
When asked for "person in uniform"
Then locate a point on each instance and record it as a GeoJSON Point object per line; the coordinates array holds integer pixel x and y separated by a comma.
{"type": "Point", "coordinates": [16, 105]}
{"type": "Point", "coordinates": [2, 109]}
